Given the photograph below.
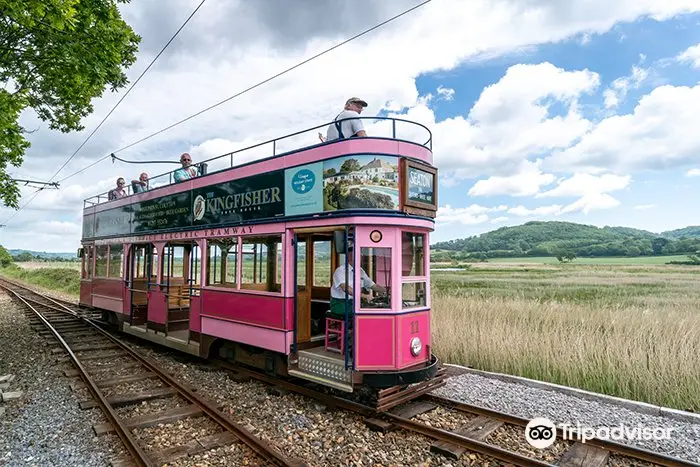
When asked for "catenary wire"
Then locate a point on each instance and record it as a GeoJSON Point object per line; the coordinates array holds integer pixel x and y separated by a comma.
{"type": "Point", "coordinates": [112, 110]}
{"type": "Point", "coordinates": [356, 36]}
{"type": "Point", "coordinates": [248, 89]}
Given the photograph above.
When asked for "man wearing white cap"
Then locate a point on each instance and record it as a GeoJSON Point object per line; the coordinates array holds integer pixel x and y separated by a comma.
{"type": "Point", "coordinates": [347, 124]}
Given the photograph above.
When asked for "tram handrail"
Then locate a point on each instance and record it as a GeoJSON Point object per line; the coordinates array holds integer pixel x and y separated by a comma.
{"type": "Point", "coordinates": [202, 165]}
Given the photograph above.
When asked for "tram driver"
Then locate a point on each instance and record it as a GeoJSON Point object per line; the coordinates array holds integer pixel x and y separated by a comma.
{"type": "Point", "coordinates": [338, 287]}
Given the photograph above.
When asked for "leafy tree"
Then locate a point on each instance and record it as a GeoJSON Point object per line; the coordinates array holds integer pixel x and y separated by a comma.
{"type": "Point", "coordinates": [55, 57]}
{"type": "Point", "coordinates": [350, 165]}
{"type": "Point", "coordinates": [658, 244]}
{"type": "Point", "coordinates": [5, 257]}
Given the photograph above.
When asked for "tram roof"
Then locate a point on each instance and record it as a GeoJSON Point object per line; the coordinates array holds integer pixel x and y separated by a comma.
{"type": "Point", "coordinates": [387, 128]}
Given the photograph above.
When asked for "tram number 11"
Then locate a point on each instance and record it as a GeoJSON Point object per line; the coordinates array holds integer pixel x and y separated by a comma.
{"type": "Point", "coordinates": [414, 327]}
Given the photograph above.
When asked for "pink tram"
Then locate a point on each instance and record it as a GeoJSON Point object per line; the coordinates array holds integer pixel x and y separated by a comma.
{"type": "Point", "coordinates": [244, 262]}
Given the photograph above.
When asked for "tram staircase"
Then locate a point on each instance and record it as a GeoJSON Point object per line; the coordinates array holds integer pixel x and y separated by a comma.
{"type": "Point", "coordinates": [322, 367]}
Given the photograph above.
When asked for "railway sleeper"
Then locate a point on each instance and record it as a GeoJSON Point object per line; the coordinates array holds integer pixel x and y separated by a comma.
{"type": "Point", "coordinates": [479, 429]}
{"type": "Point", "coordinates": [144, 421]}
{"type": "Point", "coordinates": [131, 398]}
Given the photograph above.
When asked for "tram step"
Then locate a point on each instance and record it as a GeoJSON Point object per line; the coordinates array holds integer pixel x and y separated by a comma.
{"type": "Point", "coordinates": [323, 367]}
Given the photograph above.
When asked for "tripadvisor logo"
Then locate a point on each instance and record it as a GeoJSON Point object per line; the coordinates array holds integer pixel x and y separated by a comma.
{"type": "Point", "coordinates": [303, 181]}
{"type": "Point", "coordinates": [540, 433]}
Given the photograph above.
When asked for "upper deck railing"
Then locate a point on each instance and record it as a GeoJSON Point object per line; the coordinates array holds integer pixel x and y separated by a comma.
{"type": "Point", "coordinates": [380, 127]}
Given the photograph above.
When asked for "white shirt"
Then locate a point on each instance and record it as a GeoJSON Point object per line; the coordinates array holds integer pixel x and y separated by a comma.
{"type": "Point", "coordinates": [339, 279]}
{"type": "Point", "coordinates": [348, 127]}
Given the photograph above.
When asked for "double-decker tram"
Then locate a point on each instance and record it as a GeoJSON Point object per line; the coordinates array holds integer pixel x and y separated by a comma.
{"type": "Point", "coordinates": [248, 262]}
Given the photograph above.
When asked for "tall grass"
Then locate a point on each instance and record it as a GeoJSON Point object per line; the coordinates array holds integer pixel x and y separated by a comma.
{"type": "Point", "coordinates": [629, 334]}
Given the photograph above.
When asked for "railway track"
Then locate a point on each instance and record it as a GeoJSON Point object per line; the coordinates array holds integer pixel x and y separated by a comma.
{"type": "Point", "coordinates": [110, 370]}
{"type": "Point", "coordinates": [474, 435]}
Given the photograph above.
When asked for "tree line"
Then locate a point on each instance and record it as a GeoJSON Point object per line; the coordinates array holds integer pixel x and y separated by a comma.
{"type": "Point", "coordinates": [566, 240]}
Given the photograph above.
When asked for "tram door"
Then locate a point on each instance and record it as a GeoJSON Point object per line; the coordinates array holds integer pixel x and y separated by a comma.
{"type": "Point", "coordinates": [315, 263]}
{"type": "Point", "coordinates": [141, 258]}
{"type": "Point", "coordinates": [176, 285]}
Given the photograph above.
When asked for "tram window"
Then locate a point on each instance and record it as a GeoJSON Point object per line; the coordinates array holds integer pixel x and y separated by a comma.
{"type": "Point", "coordinates": [116, 266]}
{"type": "Point", "coordinates": [101, 253]}
{"type": "Point", "coordinates": [140, 262]}
{"type": "Point", "coordinates": [413, 294]}
{"type": "Point", "coordinates": [87, 263]}
{"type": "Point", "coordinates": [301, 264]}
{"type": "Point", "coordinates": [195, 265]}
{"type": "Point", "coordinates": [376, 262]}
{"type": "Point", "coordinates": [413, 254]}
{"type": "Point", "coordinates": [322, 263]}
{"type": "Point", "coordinates": [261, 263]}
{"type": "Point", "coordinates": [223, 262]}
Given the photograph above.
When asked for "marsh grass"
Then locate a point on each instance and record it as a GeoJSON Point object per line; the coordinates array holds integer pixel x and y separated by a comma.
{"type": "Point", "coordinates": [632, 333]}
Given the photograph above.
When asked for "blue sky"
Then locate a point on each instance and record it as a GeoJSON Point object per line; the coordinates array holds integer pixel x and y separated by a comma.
{"type": "Point", "coordinates": [655, 200]}
{"type": "Point", "coordinates": [584, 111]}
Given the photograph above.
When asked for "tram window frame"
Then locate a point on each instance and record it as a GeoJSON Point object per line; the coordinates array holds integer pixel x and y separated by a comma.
{"type": "Point", "coordinates": [413, 265]}
{"type": "Point", "coordinates": [215, 267]}
{"type": "Point", "coordinates": [101, 262]}
{"type": "Point", "coordinates": [370, 267]}
{"type": "Point", "coordinates": [116, 271]}
{"type": "Point", "coordinates": [272, 282]}
{"type": "Point", "coordinates": [88, 256]}
{"type": "Point", "coordinates": [411, 279]}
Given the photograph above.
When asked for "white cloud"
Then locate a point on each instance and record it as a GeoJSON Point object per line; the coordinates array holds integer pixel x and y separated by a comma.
{"type": "Point", "coordinates": [447, 94]}
{"type": "Point", "coordinates": [659, 134]}
{"type": "Point", "coordinates": [690, 55]}
{"type": "Point", "coordinates": [473, 214]}
{"type": "Point", "coordinates": [541, 211]}
{"type": "Point", "coordinates": [499, 220]}
{"type": "Point", "coordinates": [591, 202]}
{"type": "Point", "coordinates": [223, 51]}
{"type": "Point", "coordinates": [526, 183]}
{"type": "Point", "coordinates": [584, 184]}
{"type": "Point", "coordinates": [644, 207]}
{"type": "Point", "coordinates": [693, 173]}
{"type": "Point", "coordinates": [617, 91]}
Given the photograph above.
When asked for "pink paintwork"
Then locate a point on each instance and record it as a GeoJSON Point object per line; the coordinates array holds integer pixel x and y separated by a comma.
{"type": "Point", "coordinates": [195, 309]}
{"type": "Point", "coordinates": [375, 342]}
{"type": "Point", "coordinates": [276, 340]}
{"type": "Point", "coordinates": [108, 287]}
{"type": "Point", "coordinates": [408, 326]}
{"type": "Point", "coordinates": [303, 156]}
{"type": "Point", "coordinates": [157, 307]}
{"type": "Point", "coordinates": [250, 308]}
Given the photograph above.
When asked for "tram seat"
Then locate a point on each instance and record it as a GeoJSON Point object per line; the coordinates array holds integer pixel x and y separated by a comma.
{"type": "Point", "coordinates": [335, 335]}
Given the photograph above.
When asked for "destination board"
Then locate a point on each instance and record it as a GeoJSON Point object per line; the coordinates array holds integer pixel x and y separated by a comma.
{"type": "Point", "coordinates": [421, 186]}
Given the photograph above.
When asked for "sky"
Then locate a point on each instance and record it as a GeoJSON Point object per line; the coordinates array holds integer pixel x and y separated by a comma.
{"type": "Point", "coordinates": [582, 111]}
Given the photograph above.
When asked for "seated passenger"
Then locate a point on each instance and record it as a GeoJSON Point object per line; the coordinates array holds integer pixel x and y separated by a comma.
{"type": "Point", "coordinates": [348, 128]}
{"type": "Point", "coordinates": [119, 191]}
{"type": "Point", "coordinates": [141, 184]}
{"type": "Point", "coordinates": [338, 287]}
{"type": "Point", "coordinates": [187, 171]}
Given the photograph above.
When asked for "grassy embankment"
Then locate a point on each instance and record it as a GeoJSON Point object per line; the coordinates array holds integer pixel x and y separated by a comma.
{"type": "Point", "coordinates": [61, 276]}
{"type": "Point", "coordinates": [629, 331]}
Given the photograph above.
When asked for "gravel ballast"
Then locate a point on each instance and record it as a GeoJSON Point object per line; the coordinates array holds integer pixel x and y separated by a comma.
{"type": "Point", "coordinates": [528, 402]}
{"type": "Point", "coordinates": [46, 426]}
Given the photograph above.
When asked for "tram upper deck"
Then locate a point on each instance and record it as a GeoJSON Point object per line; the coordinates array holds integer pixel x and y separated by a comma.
{"type": "Point", "coordinates": [390, 173]}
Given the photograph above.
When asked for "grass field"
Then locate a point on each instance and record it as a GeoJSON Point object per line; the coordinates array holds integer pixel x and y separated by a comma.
{"type": "Point", "coordinates": [629, 331]}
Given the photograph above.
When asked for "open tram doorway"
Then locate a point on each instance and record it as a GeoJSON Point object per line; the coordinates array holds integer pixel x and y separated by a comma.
{"type": "Point", "coordinates": [315, 262]}
{"type": "Point", "coordinates": [143, 267]}
{"type": "Point", "coordinates": [181, 266]}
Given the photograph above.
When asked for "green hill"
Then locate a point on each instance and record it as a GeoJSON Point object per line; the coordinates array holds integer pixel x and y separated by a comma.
{"type": "Point", "coordinates": [692, 231]}
{"type": "Point", "coordinates": [552, 238]}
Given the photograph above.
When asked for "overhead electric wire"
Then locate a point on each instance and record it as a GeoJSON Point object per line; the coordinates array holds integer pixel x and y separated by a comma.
{"type": "Point", "coordinates": [356, 36]}
{"type": "Point", "coordinates": [113, 108]}
{"type": "Point", "coordinates": [130, 88]}
{"type": "Point", "coordinates": [249, 88]}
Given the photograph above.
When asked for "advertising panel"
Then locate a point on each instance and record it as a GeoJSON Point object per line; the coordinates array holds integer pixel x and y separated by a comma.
{"type": "Point", "coordinates": [303, 189]}
{"type": "Point", "coordinates": [361, 182]}
{"type": "Point", "coordinates": [166, 212]}
{"type": "Point", "coordinates": [257, 197]}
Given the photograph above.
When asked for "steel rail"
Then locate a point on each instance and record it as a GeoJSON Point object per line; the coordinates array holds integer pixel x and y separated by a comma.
{"type": "Point", "coordinates": [122, 431]}
{"type": "Point", "coordinates": [627, 450]}
{"type": "Point", "coordinates": [364, 410]}
{"type": "Point", "coordinates": [259, 446]}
